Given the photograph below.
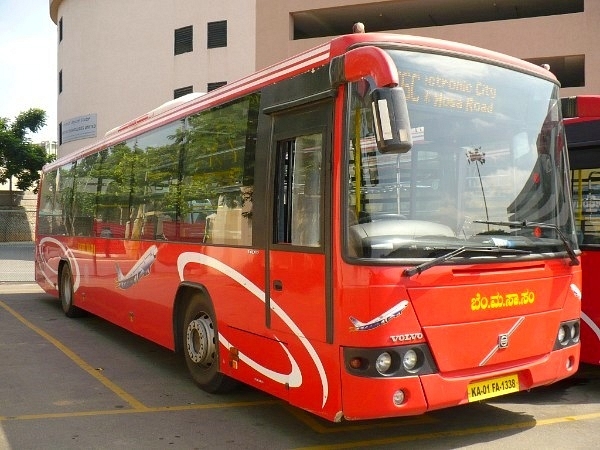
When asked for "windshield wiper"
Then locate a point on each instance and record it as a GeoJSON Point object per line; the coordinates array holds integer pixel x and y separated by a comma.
{"type": "Point", "coordinates": [526, 224]}
{"type": "Point", "coordinates": [445, 257]}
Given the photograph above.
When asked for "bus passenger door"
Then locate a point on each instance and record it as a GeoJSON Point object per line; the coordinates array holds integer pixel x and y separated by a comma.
{"type": "Point", "coordinates": [298, 290]}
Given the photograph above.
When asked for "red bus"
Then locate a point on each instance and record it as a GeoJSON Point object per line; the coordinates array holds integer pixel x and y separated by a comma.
{"type": "Point", "coordinates": [376, 227]}
{"type": "Point", "coordinates": [582, 126]}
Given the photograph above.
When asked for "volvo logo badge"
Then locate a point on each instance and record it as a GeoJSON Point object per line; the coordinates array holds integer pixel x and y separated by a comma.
{"type": "Point", "coordinates": [503, 340]}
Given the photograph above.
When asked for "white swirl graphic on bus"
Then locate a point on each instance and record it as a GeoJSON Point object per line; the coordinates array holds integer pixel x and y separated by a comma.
{"type": "Point", "coordinates": [67, 253]}
{"type": "Point", "coordinates": [294, 378]}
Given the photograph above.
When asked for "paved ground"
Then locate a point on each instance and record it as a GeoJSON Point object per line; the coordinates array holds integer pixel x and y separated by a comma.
{"type": "Point", "coordinates": [16, 262]}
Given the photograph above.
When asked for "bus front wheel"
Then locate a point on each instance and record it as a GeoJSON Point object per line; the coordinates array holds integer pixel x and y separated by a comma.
{"type": "Point", "coordinates": [201, 346]}
{"type": "Point", "coordinates": [65, 293]}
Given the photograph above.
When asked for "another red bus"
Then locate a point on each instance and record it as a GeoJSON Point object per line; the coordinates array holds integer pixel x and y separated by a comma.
{"type": "Point", "coordinates": [582, 125]}
{"type": "Point", "coordinates": [377, 227]}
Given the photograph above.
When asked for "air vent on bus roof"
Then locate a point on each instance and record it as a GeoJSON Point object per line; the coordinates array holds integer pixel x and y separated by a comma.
{"type": "Point", "coordinates": [155, 112]}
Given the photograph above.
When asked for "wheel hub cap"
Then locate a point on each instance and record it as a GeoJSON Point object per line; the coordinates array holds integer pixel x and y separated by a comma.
{"type": "Point", "coordinates": [200, 341]}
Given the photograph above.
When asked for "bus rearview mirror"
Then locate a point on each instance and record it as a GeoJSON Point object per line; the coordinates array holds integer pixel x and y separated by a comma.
{"type": "Point", "coordinates": [392, 125]}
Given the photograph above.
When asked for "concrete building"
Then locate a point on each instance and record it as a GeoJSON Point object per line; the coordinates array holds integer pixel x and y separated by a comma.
{"type": "Point", "coordinates": [51, 147]}
{"type": "Point", "coordinates": [117, 60]}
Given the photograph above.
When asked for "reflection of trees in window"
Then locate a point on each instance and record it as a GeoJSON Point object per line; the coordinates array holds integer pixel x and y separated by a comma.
{"type": "Point", "coordinates": [49, 212]}
{"type": "Point", "coordinates": [150, 188]}
{"type": "Point", "coordinates": [139, 186]}
{"type": "Point", "coordinates": [65, 199]}
{"type": "Point", "coordinates": [84, 197]}
{"type": "Point", "coordinates": [100, 176]}
{"type": "Point", "coordinates": [117, 188]}
{"type": "Point", "coordinates": [218, 167]}
{"type": "Point", "coordinates": [114, 199]}
{"type": "Point", "coordinates": [158, 205]}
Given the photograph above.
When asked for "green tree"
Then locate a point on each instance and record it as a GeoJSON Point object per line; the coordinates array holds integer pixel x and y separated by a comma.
{"type": "Point", "coordinates": [19, 157]}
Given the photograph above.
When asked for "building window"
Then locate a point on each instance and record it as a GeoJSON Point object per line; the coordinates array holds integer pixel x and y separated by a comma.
{"type": "Point", "coordinates": [216, 85]}
{"type": "Point", "coordinates": [183, 91]}
{"type": "Point", "coordinates": [60, 82]}
{"type": "Point", "coordinates": [569, 69]}
{"type": "Point", "coordinates": [217, 34]}
{"type": "Point", "coordinates": [184, 40]}
{"type": "Point", "coordinates": [60, 133]}
{"type": "Point", "coordinates": [60, 30]}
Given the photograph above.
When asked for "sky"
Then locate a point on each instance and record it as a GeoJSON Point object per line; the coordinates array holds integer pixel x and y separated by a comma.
{"type": "Point", "coordinates": [28, 77]}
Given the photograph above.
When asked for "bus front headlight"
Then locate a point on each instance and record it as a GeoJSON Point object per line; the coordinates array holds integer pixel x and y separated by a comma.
{"type": "Point", "coordinates": [383, 363]}
{"type": "Point", "coordinates": [410, 360]}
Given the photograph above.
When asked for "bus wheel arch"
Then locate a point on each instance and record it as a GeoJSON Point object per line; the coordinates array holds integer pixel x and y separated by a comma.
{"type": "Point", "coordinates": [66, 292]}
{"type": "Point", "coordinates": [197, 338]}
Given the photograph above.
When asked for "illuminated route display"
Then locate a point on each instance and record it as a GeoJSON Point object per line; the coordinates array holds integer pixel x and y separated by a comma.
{"type": "Point", "coordinates": [443, 92]}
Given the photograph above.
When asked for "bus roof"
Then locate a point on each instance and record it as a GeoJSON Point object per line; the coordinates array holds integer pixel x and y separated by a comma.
{"type": "Point", "coordinates": [303, 62]}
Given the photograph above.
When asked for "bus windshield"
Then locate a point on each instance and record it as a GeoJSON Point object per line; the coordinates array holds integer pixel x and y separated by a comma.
{"type": "Point", "coordinates": [488, 162]}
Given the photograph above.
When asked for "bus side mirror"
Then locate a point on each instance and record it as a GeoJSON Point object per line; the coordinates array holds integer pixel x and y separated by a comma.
{"type": "Point", "coordinates": [392, 125]}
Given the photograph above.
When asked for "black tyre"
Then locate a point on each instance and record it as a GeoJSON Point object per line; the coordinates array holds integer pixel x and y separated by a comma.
{"type": "Point", "coordinates": [201, 346]}
{"type": "Point", "coordinates": [65, 293]}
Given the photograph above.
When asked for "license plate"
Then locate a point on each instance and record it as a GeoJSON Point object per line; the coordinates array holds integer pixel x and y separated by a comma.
{"type": "Point", "coordinates": [493, 387]}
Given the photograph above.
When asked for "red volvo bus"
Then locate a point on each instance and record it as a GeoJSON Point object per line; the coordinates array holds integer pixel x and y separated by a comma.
{"type": "Point", "coordinates": [377, 227]}
{"type": "Point", "coordinates": [582, 125]}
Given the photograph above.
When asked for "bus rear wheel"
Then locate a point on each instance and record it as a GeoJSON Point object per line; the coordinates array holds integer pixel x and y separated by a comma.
{"type": "Point", "coordinates": [201, 346]}
{"type": "Point", "coordinates": [65, 293]}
